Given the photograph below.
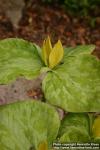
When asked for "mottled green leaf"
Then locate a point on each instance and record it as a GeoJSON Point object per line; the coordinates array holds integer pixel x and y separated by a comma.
{"type": "Point", "coordinates": [26, 125]}
{"type": "Point", "coordinates": [74, 51]}
{"type": "Point", "coordinates": [77, 127]}
{"type": "Point", "coordinates": [75, 84]}
{"type": "Point", "coordinates": [74, 128]}
{"type": "Point", "coordinates": [18, 58]}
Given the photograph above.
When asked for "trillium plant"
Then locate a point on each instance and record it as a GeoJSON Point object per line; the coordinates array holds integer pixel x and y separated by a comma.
{"type": "Point", "coordinates": [71, 82]}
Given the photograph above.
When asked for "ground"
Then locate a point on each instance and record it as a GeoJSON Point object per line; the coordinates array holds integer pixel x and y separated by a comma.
{"type": "Point", "coordinates": [37, 22]}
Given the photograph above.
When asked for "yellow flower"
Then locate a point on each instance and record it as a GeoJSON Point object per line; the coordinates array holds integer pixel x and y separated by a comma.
{"type": "Point", "coordinates": [52, 56]}
{"type": "Point", "coordinates": [96, 127]}
{"type": "Point", "coordinates": [43, 146]}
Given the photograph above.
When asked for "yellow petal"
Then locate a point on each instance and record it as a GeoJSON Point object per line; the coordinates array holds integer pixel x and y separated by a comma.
{"type": "Point", "coordinates": [43, 146]}
{"type": "Point", "coordinates": [48, 46]}
{"type": "Point", "coordinates": [96, 127]}
{"type": "Point", "coordinates": [56, 54]}
{"type": "Point", "coordinates": [46, 49]}
{"type": "Point", "coordinates": [44, 55]}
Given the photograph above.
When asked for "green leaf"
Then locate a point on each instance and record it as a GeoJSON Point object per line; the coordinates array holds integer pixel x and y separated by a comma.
{"type": "Point", "coordinates": [26, 125]}
{"type": "Point", "coordinates": [74, 128]}
{"type": "Point", "coordinates": [82, 49]}
{"type": "Point", "coordinates": [77, 127]}
{"type": "Point", "coordinates": [75, 84]}
{"type": "Point", "coordinates": [18, 58]}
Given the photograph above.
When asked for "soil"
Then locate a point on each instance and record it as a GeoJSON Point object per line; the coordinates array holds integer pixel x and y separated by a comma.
{"type": "Point", "coordinates": [37, 22]}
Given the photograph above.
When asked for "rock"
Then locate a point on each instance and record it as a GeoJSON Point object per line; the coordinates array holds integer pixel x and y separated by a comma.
{"type": "Point", "coordinates": [13, 10]}
{"type": "Point", "coordinates": [18, 90]}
